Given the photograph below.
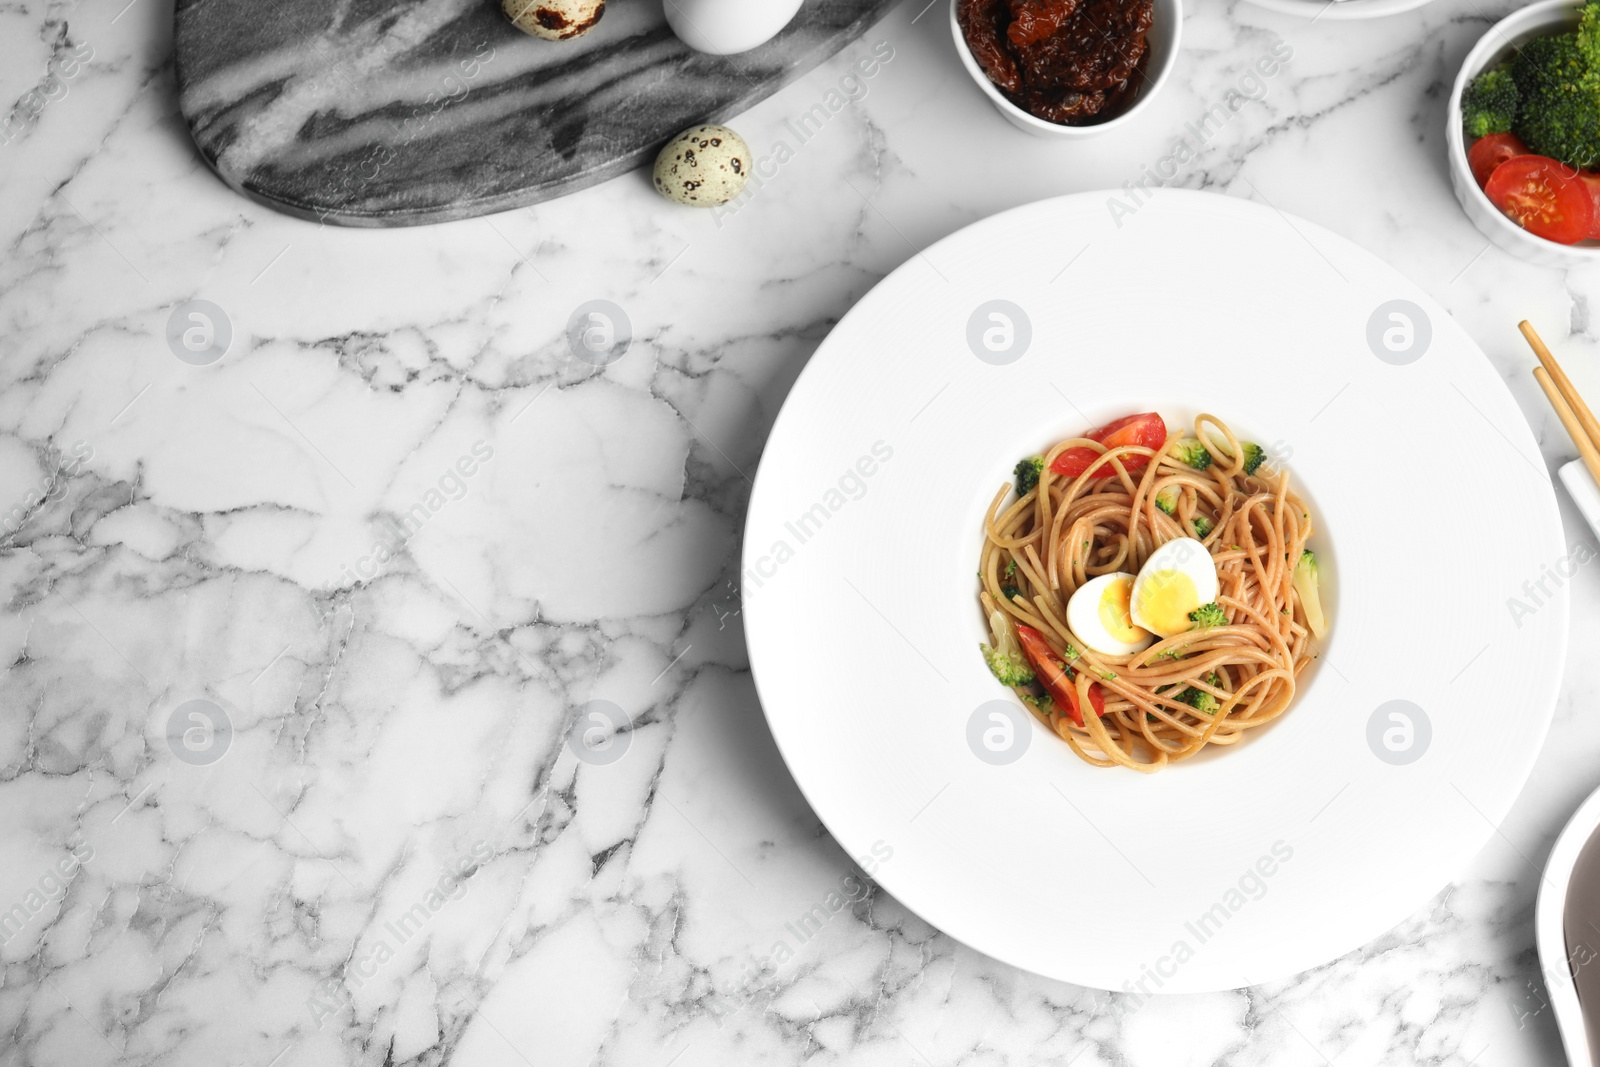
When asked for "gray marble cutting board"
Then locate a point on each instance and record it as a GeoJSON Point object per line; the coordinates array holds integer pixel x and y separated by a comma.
{"type": "Point", "coordinates": [400, 112]}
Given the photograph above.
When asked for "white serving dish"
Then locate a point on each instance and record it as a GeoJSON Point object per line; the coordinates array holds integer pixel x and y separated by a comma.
{"type": "Point", "coordinates": [1341, 10]}
{"type": "Point", "coordinates": [863, 629]}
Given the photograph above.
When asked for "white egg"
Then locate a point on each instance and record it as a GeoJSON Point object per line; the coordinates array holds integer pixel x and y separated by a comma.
{"type": "Point", "coordinates": [1098, 614]}
{"type": "Point", "coordinates": [554, 20]}
{"type": "Point", "coordinates": [724, 27]}
{"type": "Point", "coordinates": [1178, 577]}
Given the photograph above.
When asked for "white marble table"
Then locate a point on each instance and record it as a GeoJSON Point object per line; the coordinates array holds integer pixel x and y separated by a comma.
{"type": "Point", "coordinates": [396, 857]}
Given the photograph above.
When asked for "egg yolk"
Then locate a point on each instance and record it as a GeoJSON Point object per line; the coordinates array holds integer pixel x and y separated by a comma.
{"type": "Point", "coordinates": [1165, 600]}
{"type": "Point", "coordinates": [1116, 614]}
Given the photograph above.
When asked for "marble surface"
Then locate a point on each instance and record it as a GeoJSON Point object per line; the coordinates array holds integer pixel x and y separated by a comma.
{"type": "Point", "coordinates": [417, 111]}
{"type": "Point", "coordinates": [379, 847]}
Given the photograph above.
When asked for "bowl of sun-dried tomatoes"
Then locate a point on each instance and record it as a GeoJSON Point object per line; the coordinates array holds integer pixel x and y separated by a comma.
{"type": "Point", "coordinates": [1067, 68]}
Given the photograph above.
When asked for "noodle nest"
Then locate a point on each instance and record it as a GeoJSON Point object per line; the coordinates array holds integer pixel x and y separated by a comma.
{"type": "Point", "coordinates": [1065, 531]}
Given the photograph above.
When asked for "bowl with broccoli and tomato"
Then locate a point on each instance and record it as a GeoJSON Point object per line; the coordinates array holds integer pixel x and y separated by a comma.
{"type": "Point", "coordinates": [1525, 133]}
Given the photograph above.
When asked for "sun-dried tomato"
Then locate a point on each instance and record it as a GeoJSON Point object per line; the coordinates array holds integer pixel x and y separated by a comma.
{"type": "Point", "coordinates": [1070, 61]}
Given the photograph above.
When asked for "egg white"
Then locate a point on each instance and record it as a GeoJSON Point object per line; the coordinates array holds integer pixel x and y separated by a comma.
{"type": "Point", "coordinates": [1083, 618]}
{"type": "Point", "coordinates": [1183, 555]}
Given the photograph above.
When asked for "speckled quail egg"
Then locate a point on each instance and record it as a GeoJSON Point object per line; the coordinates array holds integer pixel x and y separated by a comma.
{"type": "Point", "coordinates": [703, 166]}
{"type": "Point", "coordinates": [554, 20]}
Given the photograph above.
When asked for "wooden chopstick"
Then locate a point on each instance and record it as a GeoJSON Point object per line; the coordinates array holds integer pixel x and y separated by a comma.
{"type": "Point", "coordinates": [1586, 448]}
{"type": "Point", "coordinates": [1588, 426]}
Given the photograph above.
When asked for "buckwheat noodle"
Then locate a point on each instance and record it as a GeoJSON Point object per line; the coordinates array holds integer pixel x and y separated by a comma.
{"type": "Point", "coordinates": [1066, 531]}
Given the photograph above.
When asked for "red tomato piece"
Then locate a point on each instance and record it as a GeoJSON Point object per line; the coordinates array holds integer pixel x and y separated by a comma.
{"type": "Point", "coordinates": [1592, 182]}
{"type": "Point", "coordinates": [1147, 431]}
{"type": "Point", "coordinates": [1544, 197]}
{"type": "Point", "coordinates": [1489, 152]}
{"type": "Point", "coordinates": [1052, 674]}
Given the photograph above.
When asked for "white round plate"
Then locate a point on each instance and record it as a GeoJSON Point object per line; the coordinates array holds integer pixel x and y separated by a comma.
{"type": "Point", "coordinates": [1437, 519]}
{"type": "Point", "coordinates": [1341, 10]}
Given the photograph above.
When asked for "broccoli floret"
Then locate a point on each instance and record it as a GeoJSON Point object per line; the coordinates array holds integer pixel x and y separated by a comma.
{"type": "Point", "coordinates": [1208, 615]}
{"type": "Point", "coordinates": [1489, 103]}
{"type": "Point", "coordinates": [1202, 526]}
{"type": "Point", "coordinates": [1254, 456]}
{"type": "Point", "coordinates": [1027, 473]}
{"type": "Point", "coordinates": [1005, 659]}
{"type": "Point", "coordinates": [1011, 591]}
{"type": "Point", "coordinates": [1199, 699]}
{"type": "Point", "coordinates": [1011, 568]}
{"type": "Point", "coordinates": [1589, 34]}
{"type": "Point", "coordinates": [1305, 583]}
{"type": "Point", "coordinates": [1008, 666]}
{"type": "Point", "coordinates": [1167, 499]}
{"type": "Point", "coordinates": [1037, 697]}
{"type": "Point", "coordinates": [1192, 452]}
{"type": "Point", "coordinates": [1558, 90]}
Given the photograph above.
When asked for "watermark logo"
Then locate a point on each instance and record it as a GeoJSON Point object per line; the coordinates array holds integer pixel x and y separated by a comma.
{"type": "Point", "coordinates": [381, 944]}
{"type": "Point", "coordinates": [398, 530]}
{"type": "Point", "coordinates": [1399, 332]}
{"type": "Point", "coordinates": [851, 484]}
{"type": "Point", "coordinates": [1533, 1002]}
{"type": "Point", "coordinates": [999, 332]}
{"type": "Point", "coordinates": [1251, 885]}
{"type": "Point", "coordinates": [851, 87]}
{"type": "Point", "coordinates": [1251, 85]}
{"type": "Point", "coordinates": [760, 975]}
{"type": "Point", "coordinates": [998, 732]}
{"type": "Point", "coordinates": [199, 332]}
{"type": "Point", "coordinates": [599, 332]}
{"type": "Point", "coordinates": [348, 183]}
{"type": "Point", "coordinates": [63, 468]}
{"type": "Point", "coordinates": [602, 734]}
{"type": "Point", "coordinates": [52, 885]}
{"type": "Point", "coordinates": [58, 72]}
{"type": "Point", "coordinates": [1538, 591]}
{"type": "Point", "coordinates": [447, 91]}
{"type": "Point", "coordinates": [1398, 732]}
{"type": "Point", "coordinates": [199, 732]}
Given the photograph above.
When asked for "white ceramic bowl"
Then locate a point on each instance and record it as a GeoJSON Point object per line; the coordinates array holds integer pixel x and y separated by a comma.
{"type": "Point", "coordinates": [1164, 34]}
{"type": "Point", "coordinates": [1535, 20]}
{"type": "Point", "coordinates": [1550, 930]}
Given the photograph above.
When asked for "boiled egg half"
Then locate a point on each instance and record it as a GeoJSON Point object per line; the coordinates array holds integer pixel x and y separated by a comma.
{"type": "Point", "coordinates": [1099, 615]}
{"type": "Point", "coordinates": [1179, 577]}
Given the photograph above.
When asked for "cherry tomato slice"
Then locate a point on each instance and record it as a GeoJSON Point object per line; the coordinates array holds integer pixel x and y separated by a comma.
{"type": "Point", "coordinates": [1052, 674]}
{"type": "Point", "coordinates": [1544, 197]}
{"type": "Point", "coordinates": [1592, 182]}
{"type": "Point", "coordinates": [1489, 152]}
{"type": "Point", "coordinates": [1147, 430]}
